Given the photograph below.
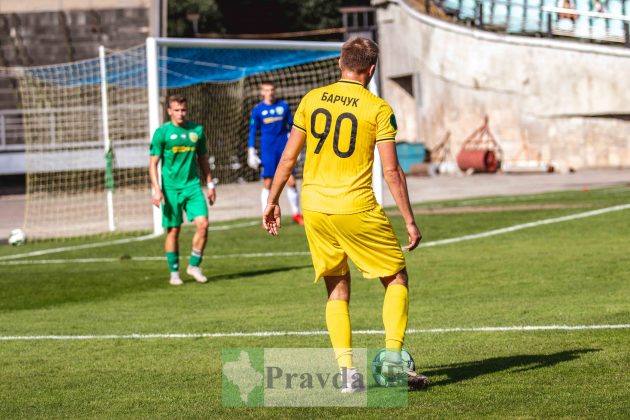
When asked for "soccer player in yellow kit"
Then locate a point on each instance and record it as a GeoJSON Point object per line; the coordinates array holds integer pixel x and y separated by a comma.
{"type": "Point", "coordinates": [341, 124]}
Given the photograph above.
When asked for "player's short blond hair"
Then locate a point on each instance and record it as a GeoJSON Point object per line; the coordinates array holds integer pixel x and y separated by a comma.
{"type": "Point", "coordinates": [358, 54]}
{"type": "Point", "coordinates": [177, 98]}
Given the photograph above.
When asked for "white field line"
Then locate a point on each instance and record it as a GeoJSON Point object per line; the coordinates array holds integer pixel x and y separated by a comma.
{"type": "Point", "coordinates": [77, 247]}
{"type": "Point", "coordinates": [112, 260]}
{"type": "Point", "coordinates": [115, 242]}
{"type": "Point", "coordinates": [528, 225]}
{"type": "Point", "coordinates": [509, 199]}
{"type": "Point", "coordinates": [235, 225]}
{"type": "Point", "coordinates": [304, 333]}
{"type": "Point", "coordinates": [279, 254]}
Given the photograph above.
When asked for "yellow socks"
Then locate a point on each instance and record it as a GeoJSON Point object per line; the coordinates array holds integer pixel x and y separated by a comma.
{"type": "Point", "coordinates": [338, 323]}
{"type": "Point", "coordinates": [395, 310]}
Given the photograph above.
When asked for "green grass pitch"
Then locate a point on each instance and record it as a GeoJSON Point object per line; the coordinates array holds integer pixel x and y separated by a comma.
{"type": "Point", "coordinates": [571, 273]}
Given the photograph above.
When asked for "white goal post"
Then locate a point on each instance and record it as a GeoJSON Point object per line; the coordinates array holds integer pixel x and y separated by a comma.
{"type": "Point", "coordinates": [155, 74]}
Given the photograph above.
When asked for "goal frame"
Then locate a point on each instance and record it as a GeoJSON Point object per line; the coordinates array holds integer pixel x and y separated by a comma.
{"type": "Point", "coordinates": [153, 87]}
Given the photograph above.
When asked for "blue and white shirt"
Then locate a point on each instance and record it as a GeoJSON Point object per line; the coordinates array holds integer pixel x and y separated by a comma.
{"type": "Point", "coordinates": [274, 122]}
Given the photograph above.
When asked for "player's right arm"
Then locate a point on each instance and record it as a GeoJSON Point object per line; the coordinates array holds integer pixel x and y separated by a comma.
{"type": "Point", "coordinates": [271, 215]}
{"type": "Point", "coordinates": [157, 198]}
{"type": "Point", "coordinates": [156, 152]}
{"type": "Point", "coordinates": [253, 161]}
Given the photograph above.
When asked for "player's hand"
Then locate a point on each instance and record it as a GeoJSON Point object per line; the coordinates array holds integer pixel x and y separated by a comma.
{"type": "Point", "coordinates": [414, 237]}
{"type": "Point", "coordinates": [271, 219]}
{"type": "Point", "coordinates": [212, 196]}
{"type": "Point", "coordinates": [253, 161]}
{"type": "Point", "coordinates": [157, 198]}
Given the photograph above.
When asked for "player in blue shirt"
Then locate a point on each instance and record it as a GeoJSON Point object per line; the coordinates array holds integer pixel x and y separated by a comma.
{"type": "Point", "coordinates": [273, 119]}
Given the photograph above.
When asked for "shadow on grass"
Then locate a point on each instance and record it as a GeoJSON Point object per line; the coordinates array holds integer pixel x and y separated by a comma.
{"type": "Point", "coordinates": [522, 363]}
{"type": "Point", "coordinates": [82, 283]}
{"type": "Point", "coordinates": [255, 273]}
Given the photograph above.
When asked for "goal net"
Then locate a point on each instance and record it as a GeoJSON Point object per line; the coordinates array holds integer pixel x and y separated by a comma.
{"type": "Point", "coordinates": [87, 126]}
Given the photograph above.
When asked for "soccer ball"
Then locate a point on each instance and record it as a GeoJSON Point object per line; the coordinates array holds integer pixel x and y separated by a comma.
{"type": "Point", "coordinates": [17, 237]}
{"type": "Point", "coordinates": [382, 379]}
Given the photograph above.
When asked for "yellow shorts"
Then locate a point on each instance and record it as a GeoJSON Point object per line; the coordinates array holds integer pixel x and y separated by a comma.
{"type": "Point", "coordinates": [366, 237]}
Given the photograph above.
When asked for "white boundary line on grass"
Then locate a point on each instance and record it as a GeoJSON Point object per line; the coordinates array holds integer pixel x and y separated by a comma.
{"type": "Point", "coordinates": [276, 254]}
{"type": "Point", "coordinates": [303, 333]}
{"type": "Point", "coordinates": [77, 247]}
{"type": "Point", "coordinates": [115, 242]}
{"type": "Point", "coordinates": [111, 260]}
{"type": "Point", "coordinates": [528, 225]}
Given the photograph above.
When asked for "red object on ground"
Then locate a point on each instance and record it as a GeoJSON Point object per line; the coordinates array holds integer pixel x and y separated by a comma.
{"type": "Point", "coordinates": [480, 151]}
{"type": "Point", "coordinates": [478, 160]}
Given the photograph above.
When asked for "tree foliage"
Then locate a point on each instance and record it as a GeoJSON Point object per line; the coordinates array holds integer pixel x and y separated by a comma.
{"type": "Point", "coordinates": [255, 16]}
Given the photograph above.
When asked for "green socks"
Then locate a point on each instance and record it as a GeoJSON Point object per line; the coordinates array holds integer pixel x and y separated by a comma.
{"type": "Point", "coordinates": [172, 258]}
{"type": "Point", "coordinates": [195, 258]}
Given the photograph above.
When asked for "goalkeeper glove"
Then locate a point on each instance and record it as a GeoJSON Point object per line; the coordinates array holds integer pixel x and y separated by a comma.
{"type": "Point", "coordinates": [253, 161]}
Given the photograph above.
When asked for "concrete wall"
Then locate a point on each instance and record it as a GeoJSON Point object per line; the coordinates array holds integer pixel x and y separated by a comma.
{"type": "Point", "coordinates": [41, 38]}
{"type": "Point", "coordinates": [29, 6]}
{"type": "Point", "coordinates": [571, 101]}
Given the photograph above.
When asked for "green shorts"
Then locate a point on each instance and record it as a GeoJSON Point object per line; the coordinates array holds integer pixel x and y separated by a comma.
{"type": "Point", "coordinates": [189, 199]}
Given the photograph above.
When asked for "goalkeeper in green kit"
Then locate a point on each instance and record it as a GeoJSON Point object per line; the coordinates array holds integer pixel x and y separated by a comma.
{"type": "Point", "coordinates": [181, 145]}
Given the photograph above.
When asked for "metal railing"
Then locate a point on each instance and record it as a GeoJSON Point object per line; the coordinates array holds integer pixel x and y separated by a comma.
{"type": "Point", "coordinates": [539, 17]}
{"type": "Point", "coordinates": [556, 16]}
{"type": "Point", "coordinates": [68, 128]}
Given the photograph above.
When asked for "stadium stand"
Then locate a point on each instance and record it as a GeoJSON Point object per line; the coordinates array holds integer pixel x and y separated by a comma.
{"type": "Point", "coordinates": [605, 21]}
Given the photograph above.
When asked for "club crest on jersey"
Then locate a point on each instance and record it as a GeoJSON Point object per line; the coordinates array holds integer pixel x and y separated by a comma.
{"type": "Point", "coordinates": [279, 110]}
{"type": "Point", "coordinates": [193, 137]}
{"type": "Point", "coordinates": [392, 122]}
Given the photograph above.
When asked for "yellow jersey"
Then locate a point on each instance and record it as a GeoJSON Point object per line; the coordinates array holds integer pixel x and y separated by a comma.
{"type": "Point", "coordinates": [343, 122]}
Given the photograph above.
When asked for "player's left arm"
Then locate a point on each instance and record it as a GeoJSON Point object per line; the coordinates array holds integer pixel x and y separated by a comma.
{"type": "Point", "coordinates": [204, 165]}
{"type": "Point", "coordinates": [206, 175]}
{"type": "Point", "coordinates": [397, 183]}
{"type": "Point", "coordinates": [271, 215]}
{"type": "Point", "coordinates": [386, 129]}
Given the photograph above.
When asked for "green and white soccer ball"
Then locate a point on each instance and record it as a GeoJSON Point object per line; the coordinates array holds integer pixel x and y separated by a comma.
{"type": "Point", "coordinates": [387, 380]}
{"type": "Point", "coordinates": [17, 237]}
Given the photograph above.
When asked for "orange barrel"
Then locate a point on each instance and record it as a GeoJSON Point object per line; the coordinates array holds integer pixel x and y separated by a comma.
{"type": "Point", "coordinates": [478, 160]}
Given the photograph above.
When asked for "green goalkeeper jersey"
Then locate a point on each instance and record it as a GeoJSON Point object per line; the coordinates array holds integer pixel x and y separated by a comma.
{"type": "Point", "coordinates": [178, 148]}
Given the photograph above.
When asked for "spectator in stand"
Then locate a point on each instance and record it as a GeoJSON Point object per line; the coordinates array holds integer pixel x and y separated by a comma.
{"type": "Point", "coordinates": [599, 7]}
{"type": "Point", "coordinates": [567, 4]}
